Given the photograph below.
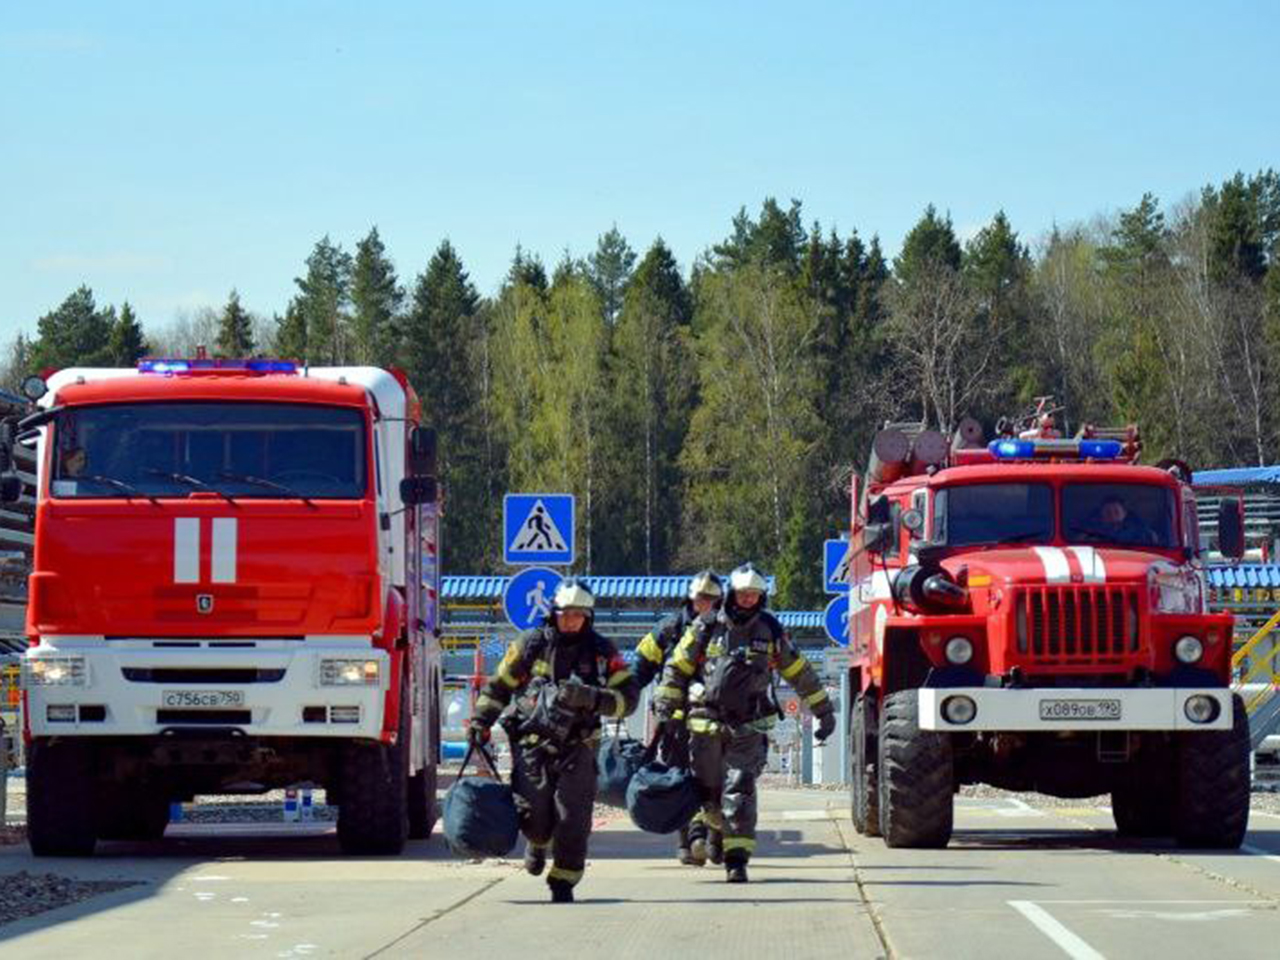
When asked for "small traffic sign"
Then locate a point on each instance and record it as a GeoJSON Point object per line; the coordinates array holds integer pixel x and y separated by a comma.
{"type": "Point", "coordinates": [537, 528]}
{"type": "Point", "coordinates": [835, 565]}
{"type": "Point", "coordinates": [527, 599]}
{"type": "Point", "coordinates": [836, 620]}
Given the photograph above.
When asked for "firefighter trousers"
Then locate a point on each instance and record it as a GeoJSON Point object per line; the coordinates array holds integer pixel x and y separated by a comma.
{"type": "Point", "coordinates": [726, 763]}
{"type": "Point", "coordinates": [555, 795]}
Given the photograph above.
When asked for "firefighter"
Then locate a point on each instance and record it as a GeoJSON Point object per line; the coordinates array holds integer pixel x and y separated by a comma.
{"type": "Point", "coordinates": [705, 593]}
{"type": "Point", "coordinates": [551, 688]}
{"type": "Point", "coordinates": [733, 655]}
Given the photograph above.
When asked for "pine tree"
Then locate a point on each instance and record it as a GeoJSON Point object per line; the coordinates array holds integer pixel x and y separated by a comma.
{"type": "Point", "coordinates": [291, 333]}
{"type": "Point", "coordinates": [75, 334]}
{"type": "Point", "coordinates": [235, 330]}
{"type": "Point", "coordinates": [127, 343]}
{"type": "Point", "coordinates": [997, 268]}
{"type": "Point", "coordinates": [323, 300]}
{"type": "Point", "coordinates": [930, 243]}
{"type": "Point", "coordinates": [376, 298]}
{"type": "Point", "coordinates": [609, 270]}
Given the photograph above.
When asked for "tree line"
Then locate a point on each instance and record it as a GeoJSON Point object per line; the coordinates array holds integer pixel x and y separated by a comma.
{"type": "Point", "coordinates": [708, 417]}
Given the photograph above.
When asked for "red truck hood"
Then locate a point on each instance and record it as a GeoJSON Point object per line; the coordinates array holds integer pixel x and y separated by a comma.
{"type": "Point", "coordinates": [1056, 565]}
{"type": "Point", "coordinates": [204, 567]}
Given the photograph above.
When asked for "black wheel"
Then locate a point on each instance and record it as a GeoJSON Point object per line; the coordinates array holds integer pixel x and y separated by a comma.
{"type": "Point", "coordinates": [864, 790]}
{"type": "Point", "coordinates": [1212, 809]}
{"type": "Point", "coordinates": [374, 816]}
{"type": "Point", "coordinates": [131, 813]}
{"type": "Point", "coordinates": [1140, 800]}
{"type": "Point", "coordinates": [916, 775]}
{"type": "Point", "coordinates": [61, 795]}
{"type": "Point", "coordinates": [422, 803]}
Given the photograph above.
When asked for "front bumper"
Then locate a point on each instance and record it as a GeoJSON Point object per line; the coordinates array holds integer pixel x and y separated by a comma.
{"type": "Point", "coordinates": [267, 709]}
{"type": "Point", "coordinates": [1059, 709]}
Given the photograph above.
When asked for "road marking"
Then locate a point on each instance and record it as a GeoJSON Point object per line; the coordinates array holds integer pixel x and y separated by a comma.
{"type": "Point", "coordinates": [806, 815]}
{"type": "Point", "coordinates": [1259, 852]}
{"type": "Point", "coordinates": [1017, 808]}
{"type": "Point", "coordinates": [1070, 944]}
{"type": "Point", "coordinates": [1202, 916]}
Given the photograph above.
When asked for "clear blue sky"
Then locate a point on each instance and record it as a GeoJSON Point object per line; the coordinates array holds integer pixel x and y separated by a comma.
{"type": "Point", "coordinates": [166, 152]}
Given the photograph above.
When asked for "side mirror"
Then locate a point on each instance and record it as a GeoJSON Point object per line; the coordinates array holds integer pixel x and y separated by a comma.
{"type": "Point", "coordinates": [34, 387]}
{"type": "Point", "coordinates": [422, 451]}
{"type": "Point", "coordinates": [415, 491]}
{"type": "Point", "coordinates": [1231, 527]}
{"type": "Point", "coordinates": [878, 537]}
{"type": "Point", "coordinates": [10, 488]}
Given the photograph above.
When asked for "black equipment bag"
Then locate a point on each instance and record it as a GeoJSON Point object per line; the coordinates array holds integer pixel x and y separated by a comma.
{"type": "Point", "coordinates": [661, 799]}
{"type": "Point", "coordinates": [617, 760]}
{"type": "Point", "coordinates": [480, 817]}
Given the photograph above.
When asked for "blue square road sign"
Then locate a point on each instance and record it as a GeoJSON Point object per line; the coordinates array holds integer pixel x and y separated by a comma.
{"type": "Point", "coordinates": [538, 528]}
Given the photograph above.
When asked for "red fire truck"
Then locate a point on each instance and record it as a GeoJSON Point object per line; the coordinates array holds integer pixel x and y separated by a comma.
{"type": "Point", "coordinates": [234, 588]}
{"type": "Point", "coordinates": [1030, 614]}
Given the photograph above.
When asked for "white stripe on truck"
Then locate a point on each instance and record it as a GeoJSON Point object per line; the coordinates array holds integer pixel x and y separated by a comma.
{"type": "Point", "coordinates": [186, 550]}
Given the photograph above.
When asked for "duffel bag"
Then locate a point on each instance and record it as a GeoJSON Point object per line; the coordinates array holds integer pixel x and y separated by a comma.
{"type": "Point", "coordinates": [480, 817]}
{"type": "Point", "coordinates": [661, 799]}
{"type": "Point", "coordinates": [618, 758]}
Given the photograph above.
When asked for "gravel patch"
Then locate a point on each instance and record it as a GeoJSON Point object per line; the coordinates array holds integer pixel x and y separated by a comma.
{"type": "Point", "coordinates": [25, 894]}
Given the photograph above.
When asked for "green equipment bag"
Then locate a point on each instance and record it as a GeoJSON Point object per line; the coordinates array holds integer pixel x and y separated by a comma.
{"type": "Point", "coordinates": [660, 798]}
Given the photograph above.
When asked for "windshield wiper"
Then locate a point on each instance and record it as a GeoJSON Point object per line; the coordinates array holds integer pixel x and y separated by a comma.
{"type": "Point", "coordinates": [126, 488]}
{"type": "Point", "coordinates": [194, 482]}
{"type": "Point", "coordinates": [268, 484]}
{"type": "Point", "coordinates": [1006, 541]}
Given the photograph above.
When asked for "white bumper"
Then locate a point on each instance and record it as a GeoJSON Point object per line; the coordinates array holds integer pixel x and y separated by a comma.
{"type": "Point", "coordinates": [271, 709]}
{"type": "Point", "coordinates": [1062, 709]}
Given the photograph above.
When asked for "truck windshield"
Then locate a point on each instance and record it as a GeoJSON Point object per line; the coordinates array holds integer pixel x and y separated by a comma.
{"type": "Point", "coordinates": [994, 513]}
{"type": "Point", "coordinates": [1130, 514]}
{"type": "Point", "coordinates": [237, 449]}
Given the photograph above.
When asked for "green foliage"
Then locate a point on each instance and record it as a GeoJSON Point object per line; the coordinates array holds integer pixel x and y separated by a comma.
{"type": "Point", "coordinates": [929, 244]}
{"type": "Point", "coordinates": [235, 329]}
{"type": "Point", "coordinates": [376, 297]}
{"type": "Point", "coordinates": [77, 333]}
{"type": "Point", "coordinates": [609, 270]}
{"type": "Point", "coordinates": [323, 303]}
{"type": "Point", "coordinates": [127, 344]}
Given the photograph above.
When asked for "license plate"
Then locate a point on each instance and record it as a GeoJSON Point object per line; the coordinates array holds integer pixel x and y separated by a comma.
{"type": "Point", "coordinates": [211, 699]}
{"type": "Point", "coordinates": [1080, 710]}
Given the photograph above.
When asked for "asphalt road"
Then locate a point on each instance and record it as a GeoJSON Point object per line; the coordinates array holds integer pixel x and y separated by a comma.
{"type": "Point", "coordinates": [1017, 881]}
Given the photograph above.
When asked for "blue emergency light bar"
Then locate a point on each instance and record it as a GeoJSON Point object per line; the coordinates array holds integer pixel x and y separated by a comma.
{"type": "Point", "coordinates": [1017, 449]}
{"type": "Point", "coordinates": [208, 364]}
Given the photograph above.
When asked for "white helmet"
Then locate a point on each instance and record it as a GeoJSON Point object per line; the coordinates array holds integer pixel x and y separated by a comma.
{"type": "Point", "coordinates": [747, 577]}
{"type": "Point", "coordinates": [572, 594]}
{"type": "Point", "coordinates": [705, 584]}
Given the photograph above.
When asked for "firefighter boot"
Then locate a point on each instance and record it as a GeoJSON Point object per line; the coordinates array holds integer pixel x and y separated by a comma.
{"type": "Point", "coordinates": [535, 858]}
{"type": "Point", "coordinates": [561, 890]}
{"type": "Point", "coordinates": [715, 847]}
{"type": "Point", "coordinates": [735, 867]}
{"type": "Point", "coordinates": [683, 853]}
{"type": "Point", "coordinates": [697, 845]}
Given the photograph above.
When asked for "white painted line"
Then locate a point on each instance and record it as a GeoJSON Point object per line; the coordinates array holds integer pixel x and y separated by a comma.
{"type": "Point", "coordinates": [1259, 852]}
{"type": "Point", "coordinates": [1070, 944]}
{"type": "Point", "coordinates": [224, 549]}
{"type": "Point", "coordinates": [806, 815]}
{"type": "Point", "coordinates": [186, 550]}
{"type": "Point", "coordinates": [1057, 569]}
{"type": "Point", "coordinates": [1018, 808]}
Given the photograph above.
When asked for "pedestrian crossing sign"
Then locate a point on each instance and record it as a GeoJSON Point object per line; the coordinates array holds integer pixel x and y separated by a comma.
{"type": "Point", "coordinates": [836, 557]}
{"type": "Point", "coordinates": [538, 528]}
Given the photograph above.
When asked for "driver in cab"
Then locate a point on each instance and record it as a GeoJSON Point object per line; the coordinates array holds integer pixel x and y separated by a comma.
{"type": "Point", "coordinates": [1114, 522]}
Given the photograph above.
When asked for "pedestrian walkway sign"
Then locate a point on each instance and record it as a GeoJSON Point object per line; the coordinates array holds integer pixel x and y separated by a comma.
{"type": "Point", "coordinates": [836, 620]}
{"type": "Point", "coordinates": [836, 558]}
{"type": "Point", "coordinates": [527, 599]}
{"type": "Point", "coordinates": [537, 528]}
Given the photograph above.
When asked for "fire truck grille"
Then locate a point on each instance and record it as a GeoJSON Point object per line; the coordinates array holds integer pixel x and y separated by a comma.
{"type": "Point", "coordinates": [1077, 625]}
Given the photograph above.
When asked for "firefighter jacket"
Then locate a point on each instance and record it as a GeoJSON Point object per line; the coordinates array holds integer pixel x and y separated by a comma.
{"type": "Point", "coordinates": [544, 653]}
{"type": "Point", "coordinates": [737, 662]}
{"type": "Point", "coordinates": [658, 643]}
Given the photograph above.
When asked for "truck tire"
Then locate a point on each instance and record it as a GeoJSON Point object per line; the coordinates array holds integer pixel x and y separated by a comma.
{"type": "Point", "coordinates": [916, 774]}
{"type": "Point", "coordinates": [131, 813]}
{"type": "Point", "coordinates": [422, 803]}
{"type": "Point", "coordinates": [61, 795]}
{"type": "Point", "coordinates": [1140, 800]}
{"type": "Point", "coordinates": [1212, 808]}
{"type": "Point", "coordinates": [864, 789]}
{"type": "Point", "coordinates": [374, 816]}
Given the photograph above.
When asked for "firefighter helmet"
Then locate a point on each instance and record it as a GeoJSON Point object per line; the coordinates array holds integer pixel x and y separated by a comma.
{"type": "Point", "coordinates": [706, 584]}
{"type": "Point", "coordinates": [572, 593]}
{"type": "Point", "coordinates": [746, 577]}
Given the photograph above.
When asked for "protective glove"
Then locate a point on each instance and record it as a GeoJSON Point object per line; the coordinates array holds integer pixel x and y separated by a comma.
{"type": "Point", "coordinates": [478, 733]}
{"type": "Point", "coordinates": [577, 696]}
{"type": "Point", "coordinates": [664, 711]}
{"type": "Point", "coordinates": [826, 726]}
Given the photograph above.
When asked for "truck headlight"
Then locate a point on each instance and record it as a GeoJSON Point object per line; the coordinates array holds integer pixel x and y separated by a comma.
{"type": "Point", "coordinates": [350, 673]}
{"type": "Point", "coordinates": [959, 650]}
{"type": "Point", "coordinates": [959, 709]}
{"type": "Point", "coordinates": [1188, 649]}
{"type": "Point", "coordinates": [1201, 709]}
{"type": "Point", "coordinates": [55, 672]}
